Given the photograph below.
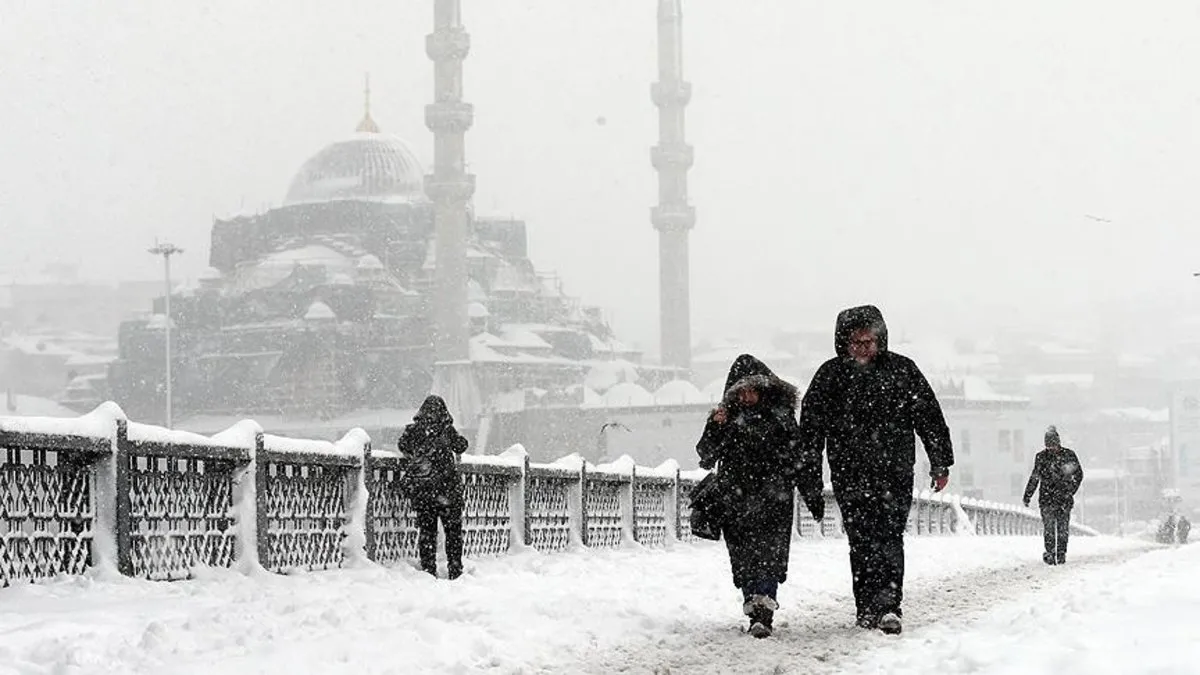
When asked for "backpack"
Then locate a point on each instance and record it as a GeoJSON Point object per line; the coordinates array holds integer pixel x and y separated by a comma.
{"type": "Point", "coordinates": [417, 475]}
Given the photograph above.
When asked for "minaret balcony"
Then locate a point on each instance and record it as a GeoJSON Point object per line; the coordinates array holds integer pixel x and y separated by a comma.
{"type": "Point", "coordinates": [448, 44]}
{"type": "Point", "coordinates": [449, 189]}
{"type": "Point", "coordinates": [672, 156]}
{"type": "Point", "coordinates": [449, 117]}
{"type": "Point", "coordinates": [677, 93]}
{"type": "Point", "coordinates": [673, 217]}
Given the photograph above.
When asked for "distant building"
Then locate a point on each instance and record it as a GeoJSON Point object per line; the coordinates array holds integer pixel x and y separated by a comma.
{"type": "Point", "coordinates": [321, 310]}
{"type": "Point", "coordinates": [58, 300]}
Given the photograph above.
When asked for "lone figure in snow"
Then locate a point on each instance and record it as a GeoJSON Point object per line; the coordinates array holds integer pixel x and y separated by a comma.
{"type": "Point", "coordinates": [431, 447]}
{"type": "Point", "coordinates": [1059, 474]}
{"type": "Point", "coordinates": [863, 407]}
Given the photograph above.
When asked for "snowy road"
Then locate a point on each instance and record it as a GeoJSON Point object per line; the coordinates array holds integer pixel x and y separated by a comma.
{"type": "Point", "coordinates": [592, 612]}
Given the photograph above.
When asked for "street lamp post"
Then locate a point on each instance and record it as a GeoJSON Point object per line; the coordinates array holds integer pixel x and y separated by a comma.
{"type": "Point", "coordinates": [167, 250]}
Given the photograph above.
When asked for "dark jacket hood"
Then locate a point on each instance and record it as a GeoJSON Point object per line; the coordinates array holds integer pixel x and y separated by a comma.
{"type": "Point", "coordinates": [748, 372]}
{"type": "Point", "coordinates": [433, 413]}
{"type": "Point", "coordinates": [850, 320]}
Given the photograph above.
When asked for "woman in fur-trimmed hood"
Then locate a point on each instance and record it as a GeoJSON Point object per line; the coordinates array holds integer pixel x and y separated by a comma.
{"type": "Point", "coordinates": [751, 439]}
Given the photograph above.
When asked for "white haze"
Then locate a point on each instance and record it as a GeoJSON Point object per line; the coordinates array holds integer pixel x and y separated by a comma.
{"type": "Point", "coordinates": [939, 158]}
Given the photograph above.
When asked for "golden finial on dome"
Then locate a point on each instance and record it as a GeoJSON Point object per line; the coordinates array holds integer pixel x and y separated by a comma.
{"type": "Point", "coordinates": [367, 125]}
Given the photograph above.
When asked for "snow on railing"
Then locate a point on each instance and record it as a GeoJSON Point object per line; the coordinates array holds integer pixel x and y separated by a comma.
{"type": "Point", "coordinates": [101, 492]}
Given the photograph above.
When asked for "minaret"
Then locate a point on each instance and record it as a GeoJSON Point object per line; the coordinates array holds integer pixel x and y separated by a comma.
{"type": "Point", "coordinates": [450, 188]}
{"type": "Point", "coordinates": [673, 217]}
{"type": "Point", "coordinates": [367, 125]}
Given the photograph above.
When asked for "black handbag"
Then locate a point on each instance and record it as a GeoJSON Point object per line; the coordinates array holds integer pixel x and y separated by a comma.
{"type": "Point", "coordinates": [708, 510]}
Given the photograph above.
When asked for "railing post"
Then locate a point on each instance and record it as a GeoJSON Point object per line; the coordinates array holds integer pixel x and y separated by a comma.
{"type": "Point", "coordinates": [796, 503]}
{"type": "Point", "coordinates": [526, 496]}
{"type": "Point", "coordinates": [370, 483]}
{"type": "Point", "coordinates": [583, 512]}
{"type": "Point", "coordinates": [357, 499]}
{"type": "Point", "coordinates": [123, 524]}
{"type": "Point", "coordinates": [628, 516]}
{"type": "Point", "coordinates": [261, 486]}
{"type": "Point", "coordinates": [828, 521]}
{"type": "Point", "coordinates": [672, 507]}
{"type": "Point", "coordinates": [518, 526]}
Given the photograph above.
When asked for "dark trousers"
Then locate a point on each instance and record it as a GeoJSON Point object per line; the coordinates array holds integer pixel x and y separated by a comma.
{"type": "Point", "coordinates": [767, 588]}
{"type": "Point", "coordinates": [875, 523]}
{"type": "Point", "coordinates": [428, 516]}
{"type": "Point", "coordinates": [1056, 530]}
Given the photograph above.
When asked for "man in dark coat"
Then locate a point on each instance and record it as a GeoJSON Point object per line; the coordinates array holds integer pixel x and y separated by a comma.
{"type": "Point", "coordinates": [431, 447]}
{"type": "Point", "coordinates": [1058, 471]}
{"type": "Point", "coordinates": [863, 407]}
{"type": "Point", "coordinates": [752, 436]}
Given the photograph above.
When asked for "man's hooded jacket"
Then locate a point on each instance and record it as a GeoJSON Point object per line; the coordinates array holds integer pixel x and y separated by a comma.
{"type": "Point", "coordinates": [868, 417]}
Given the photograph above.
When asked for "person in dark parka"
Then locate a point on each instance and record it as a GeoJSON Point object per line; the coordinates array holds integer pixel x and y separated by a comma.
{"type": "Point", "coordinates": [1058, 471]}
{"type": "Point", "coordinates": [751, 439]}
{"type": "Point", "coordinates": [431, 446]}
{"type": "Point", "coordinates": [863, 407]}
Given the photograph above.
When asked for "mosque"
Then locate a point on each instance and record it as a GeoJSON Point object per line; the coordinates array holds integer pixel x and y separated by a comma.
{"type": "Point", "coordinates": [375, 282]}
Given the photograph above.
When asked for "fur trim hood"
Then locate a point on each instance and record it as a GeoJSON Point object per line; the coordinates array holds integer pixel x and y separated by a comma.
{"type": "Point", "coordinates": [748, 372]}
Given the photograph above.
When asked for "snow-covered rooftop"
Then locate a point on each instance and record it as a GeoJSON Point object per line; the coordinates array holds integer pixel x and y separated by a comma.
{"type": "Point", "coordinates": [627, 394]}
{"type": "Point", "coordinates": [1161, 415]}
{"type": "Point", "coordinates": [1061, 379]}
{"type": "Point", "coordinates": [679, 392]}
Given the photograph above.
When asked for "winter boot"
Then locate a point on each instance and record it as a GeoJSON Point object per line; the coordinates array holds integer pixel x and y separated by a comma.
{"type": "Point", "coordinates": [867, 621]}
{"type": "Point", "coordinates": [760, 622]}
{"type": "Point", "coordinates": [761, 610]}
{"type": "Point", "coordinates": [1049, 559]}
{"type": "Point", "coordinates": [890, 623]}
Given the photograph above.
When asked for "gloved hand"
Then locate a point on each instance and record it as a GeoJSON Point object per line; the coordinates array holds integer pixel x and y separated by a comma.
{"type": "Point", "coordinates": [1025, 502]}
{"type": "Point", "coordinates": [815, 501]}
{"type": "Point", "coordinates": [940, 476]}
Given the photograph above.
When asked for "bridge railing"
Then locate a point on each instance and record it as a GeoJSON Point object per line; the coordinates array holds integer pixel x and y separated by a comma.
{"type": "Point", "coordinates": [102, 492]}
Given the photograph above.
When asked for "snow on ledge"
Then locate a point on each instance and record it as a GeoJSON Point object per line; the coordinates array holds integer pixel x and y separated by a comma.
{"type": "Point", "coordinates": [515, 451]}
{"type": "Point", "coordinates": [244, 434]}
{"type": "Point", "coordinates": [574, 462]}
{"type": "Point", "coordinates": [624, 466]}
{"type": "Point", "coordinates": [98, 424]}
{"type": "Point", "coordinates": [386, 453]}
{"type": "Point", "coordinates": [147, 433]}
{"type": "Point", "coordinates": [493, 460]}
{"type": "Point", "coordinates": [353, 443]}
{"type": "Point", "coordinates": [667, 469]}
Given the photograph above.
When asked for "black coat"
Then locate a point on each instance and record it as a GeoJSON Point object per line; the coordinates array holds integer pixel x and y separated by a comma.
{"type": "Point", "coordinates": [1059, 474]}
{"type": "Point", "coordinates": [755, 452]}
{"type": "Point", "coordinates": [868, 417]}
{"type": "Point", "coordinates": [431, 447]}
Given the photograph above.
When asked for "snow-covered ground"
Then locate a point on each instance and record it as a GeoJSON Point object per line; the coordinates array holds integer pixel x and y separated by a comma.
{"type": "Point", "coordinates": [973, 604]}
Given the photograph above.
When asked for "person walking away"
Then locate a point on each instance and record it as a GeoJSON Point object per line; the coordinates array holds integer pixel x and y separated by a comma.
{"type": "Point", "coordinates": [431, 447]}
{"type": "Point", "coordinates": [1183, 529]}
{"type": "Point", "coordinates": [1058, 474]}
{"type": "Point", "coordinates": [865, 407]}
{"type": "Point", "coordinates": [751, 440]}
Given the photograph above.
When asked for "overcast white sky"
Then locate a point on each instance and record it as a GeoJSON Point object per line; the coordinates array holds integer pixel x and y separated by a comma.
{"type": "Point", "coordinates": [931, 156]}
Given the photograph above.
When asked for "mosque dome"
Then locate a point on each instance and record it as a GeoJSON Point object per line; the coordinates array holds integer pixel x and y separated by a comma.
{"type": "Point", "coordinates": [368, 166]}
